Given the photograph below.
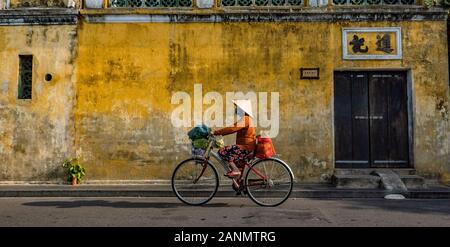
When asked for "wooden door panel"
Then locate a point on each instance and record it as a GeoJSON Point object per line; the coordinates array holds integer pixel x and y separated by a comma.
{"type": "Point", "coordinates": [342, 119]}
{"type": "Point", "coordinates": [360, 122]}
{"type": "Point", "coordinates": [371, 119]}
{"type": "Point", "coordinates": [379, 145]}
{"type": "Point", "coordinates": [388, 120]}
{"type": "Point", "coordinates": [398, 122]}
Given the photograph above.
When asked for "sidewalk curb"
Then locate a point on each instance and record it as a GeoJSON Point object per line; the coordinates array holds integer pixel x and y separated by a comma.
{"type": "Point", "coordinates": [296, 193]}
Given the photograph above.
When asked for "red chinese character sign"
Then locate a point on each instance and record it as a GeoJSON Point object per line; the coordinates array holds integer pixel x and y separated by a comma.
{"type": "Point", "coordinates": [371, 43]}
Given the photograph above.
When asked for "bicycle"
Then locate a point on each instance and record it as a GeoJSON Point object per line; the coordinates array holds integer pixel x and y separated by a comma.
{"type": "Point", "coordinates": [268, 182]}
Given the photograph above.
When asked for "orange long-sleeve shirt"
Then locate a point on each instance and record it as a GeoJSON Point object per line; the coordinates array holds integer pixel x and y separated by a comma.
{"type": "Point", "coordinates": [245, 137]}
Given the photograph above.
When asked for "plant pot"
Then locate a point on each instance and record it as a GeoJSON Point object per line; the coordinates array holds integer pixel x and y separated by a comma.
{"type": "Point", "coordinates": [445, 178]}
{"type": "Point", "coordinates": [74, 181]}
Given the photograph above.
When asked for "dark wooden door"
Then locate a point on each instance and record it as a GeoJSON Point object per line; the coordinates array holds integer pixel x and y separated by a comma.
{"type": "Point", "coordinates": [371, 121]}
{"type": "Point", "coordinates": [351, 97]}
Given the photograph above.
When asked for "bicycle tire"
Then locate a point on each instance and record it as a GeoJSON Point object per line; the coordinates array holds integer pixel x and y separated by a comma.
{"type": "Point", "coordinates": [291, 181]}
{"type": "Point", "coordinates": [216, 179]}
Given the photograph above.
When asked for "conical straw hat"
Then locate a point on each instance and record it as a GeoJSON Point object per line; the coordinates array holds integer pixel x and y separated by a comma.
{"type": "Point", "coordinates": [245, 105]}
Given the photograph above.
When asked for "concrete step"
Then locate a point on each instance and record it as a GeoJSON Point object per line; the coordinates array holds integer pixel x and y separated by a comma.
{"type": "Point", "coordinates": [413, 181]}
{"type": "Point", "coordinates": [368, 178]}
{"type": "Point", "coordinates": [352, 171]}
{"type": "Point", "coordinates": [368, 171]}
{"type": "Point", "coordinates": [356, 181]}
{"type": "Point", "coordinates": [402, 172]}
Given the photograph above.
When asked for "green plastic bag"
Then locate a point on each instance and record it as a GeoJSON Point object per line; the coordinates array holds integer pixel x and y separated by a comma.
{"type": "Point", "coordinates": [200, 143]}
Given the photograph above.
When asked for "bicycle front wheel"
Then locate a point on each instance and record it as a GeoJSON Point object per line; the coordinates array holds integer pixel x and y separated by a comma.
{"type": "Point", "coordinates": [195, 181]}
{"type": "Point", "coordinates": [269, 182]}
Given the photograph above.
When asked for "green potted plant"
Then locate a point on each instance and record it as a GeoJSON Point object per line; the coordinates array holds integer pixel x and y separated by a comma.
{"type": "Point", "coordinates": [446, 3]}
{"type": "Point", "coordinates": [75, 170]}
{"type": "Point", "coordinates": [429, 3]}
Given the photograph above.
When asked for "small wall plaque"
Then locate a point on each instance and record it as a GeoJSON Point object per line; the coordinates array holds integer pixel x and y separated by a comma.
{"type": "Point", "coordinates": [309, 73]}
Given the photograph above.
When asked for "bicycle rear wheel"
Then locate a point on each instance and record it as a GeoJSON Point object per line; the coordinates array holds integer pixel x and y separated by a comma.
{"type": "Point", "coordinates": [195, 181]}
{"type": "Point", "coordinates": [269, 182]}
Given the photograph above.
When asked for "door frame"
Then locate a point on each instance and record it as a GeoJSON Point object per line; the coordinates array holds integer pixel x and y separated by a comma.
{"type": "Point", "coordinates": [410, 109]}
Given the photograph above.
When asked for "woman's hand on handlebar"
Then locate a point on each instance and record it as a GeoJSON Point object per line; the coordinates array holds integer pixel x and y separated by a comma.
{"type": "Point", "coordinates": [211, 133]}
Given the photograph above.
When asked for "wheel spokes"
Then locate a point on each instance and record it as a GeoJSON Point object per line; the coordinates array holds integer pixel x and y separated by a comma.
{"type": "Point", "coordinates": [195, 182]}
{"type": "Point", "coordinates": [275, 188]}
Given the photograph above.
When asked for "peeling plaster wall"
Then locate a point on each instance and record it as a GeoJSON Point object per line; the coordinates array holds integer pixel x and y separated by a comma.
{"type": "Point", "coordinates": [36, 135]}
{"type": "Point", "coordinates": [127, 73]}
{"type": "Point", "coordinates": [116, 116]}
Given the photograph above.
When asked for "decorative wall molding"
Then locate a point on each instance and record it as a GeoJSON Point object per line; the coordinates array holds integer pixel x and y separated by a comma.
{"type": "Point", "coordinates": [59, 16]}
{"type": "Point", "coordinates": [272, 15]}
{"type": "Point", "coordinates": [56, 16]}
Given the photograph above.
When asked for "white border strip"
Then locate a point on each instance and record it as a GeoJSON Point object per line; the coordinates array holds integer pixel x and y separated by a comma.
{"type": "Point", "coordinates": [396, 30]}
{"type": "Point", "coordinates": [132, 19]}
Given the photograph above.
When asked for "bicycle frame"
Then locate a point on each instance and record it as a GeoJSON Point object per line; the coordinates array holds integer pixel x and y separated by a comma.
{"type": "Point", "coordinates": [257, 172]}
{"type": "Point", "coordinates": [248, 165]}
{"type": "Point", "coordinates": [210, 153]}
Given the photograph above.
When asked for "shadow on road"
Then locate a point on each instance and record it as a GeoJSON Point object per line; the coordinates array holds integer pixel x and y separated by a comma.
{"type": "Point", "coordinates": [407, 206]}
{"type": "Point", "coordinates": [119, 204]}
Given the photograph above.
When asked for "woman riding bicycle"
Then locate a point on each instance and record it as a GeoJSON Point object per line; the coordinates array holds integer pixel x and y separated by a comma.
{"type": "Point", "coordinates": [243, 151]}
{"type": "Point", "coordinates": [267, 181]}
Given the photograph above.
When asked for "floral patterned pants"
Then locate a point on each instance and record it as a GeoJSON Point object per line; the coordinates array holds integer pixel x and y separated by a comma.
{"type": "Point", "coordinates": [236, 155]}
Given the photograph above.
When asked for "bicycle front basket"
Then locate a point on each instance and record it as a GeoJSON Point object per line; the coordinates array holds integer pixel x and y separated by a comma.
{"type": "Point", "coordinates": [197, 151]}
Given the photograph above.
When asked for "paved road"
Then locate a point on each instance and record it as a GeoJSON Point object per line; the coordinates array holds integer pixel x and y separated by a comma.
{"type": "Point", "coordinates": [221, 212]}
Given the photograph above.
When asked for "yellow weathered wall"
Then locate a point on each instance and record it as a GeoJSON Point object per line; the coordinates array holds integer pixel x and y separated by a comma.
{"type": "Point", "coordinates": [109, 100]}
{"type": "Point", "coordinates": [36, 135]}
{"type": "Point", "coordinates": [126, 74]}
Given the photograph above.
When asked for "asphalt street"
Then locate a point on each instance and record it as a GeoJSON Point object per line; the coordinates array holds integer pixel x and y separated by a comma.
{"type": "Point", "coordinates": [240, 211]}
